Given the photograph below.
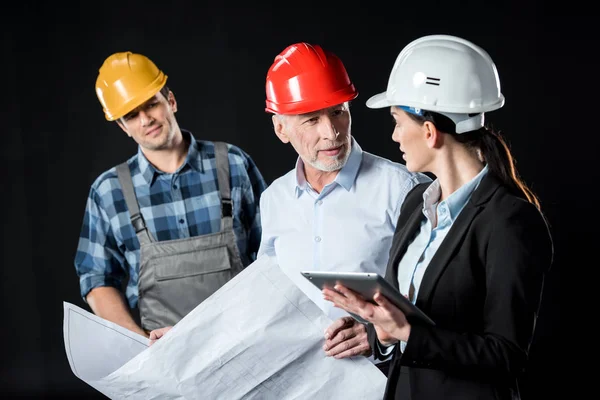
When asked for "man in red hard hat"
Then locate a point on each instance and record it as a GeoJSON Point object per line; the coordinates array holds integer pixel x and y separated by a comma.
{"type": "Point", "coordinates": [337, 209]}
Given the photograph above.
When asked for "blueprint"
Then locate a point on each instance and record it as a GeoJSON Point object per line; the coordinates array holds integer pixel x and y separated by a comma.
{"type": "Point", "coordinates": [257, 337]}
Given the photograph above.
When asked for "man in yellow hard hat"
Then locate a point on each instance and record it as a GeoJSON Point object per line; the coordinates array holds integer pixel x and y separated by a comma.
{"type": "Point", "coordinates": [165, 229]}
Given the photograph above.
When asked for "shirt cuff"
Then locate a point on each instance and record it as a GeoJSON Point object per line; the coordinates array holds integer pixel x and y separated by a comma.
{"type": "Point", "coordinates": [402, 346]}
{"type": "Point", "coordinates": [385, 350]}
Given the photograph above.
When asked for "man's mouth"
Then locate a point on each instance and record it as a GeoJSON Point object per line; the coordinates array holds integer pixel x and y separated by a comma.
{"type": "Point", "coordinates": [153, 131]}
{"type": "Point", "coordinates": [334, 151]}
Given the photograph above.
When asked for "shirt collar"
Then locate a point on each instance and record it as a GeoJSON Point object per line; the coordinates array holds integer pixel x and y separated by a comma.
{"type": "Point", "coordinates": [193, 159]}
{"type": "Point", "coordinates": [457, 200]}
{"type": "Point", "coordinates": [345, 177]}
{"type": "Point", "coordinates": [194, 156]}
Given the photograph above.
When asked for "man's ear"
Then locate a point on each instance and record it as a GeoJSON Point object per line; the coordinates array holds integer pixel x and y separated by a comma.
{"type": "Point", "coordinates": [279, 128]}
{"type": "Point", "coordinates": [122, 126]}
{"type": "Point", "coordinates": [172, 101]}
{"type": "Point", "coordinates": [433, 137]}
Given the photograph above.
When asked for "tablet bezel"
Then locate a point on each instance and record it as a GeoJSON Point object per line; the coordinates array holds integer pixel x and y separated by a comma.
{"type": "Point", "coordinates": [367, 284]}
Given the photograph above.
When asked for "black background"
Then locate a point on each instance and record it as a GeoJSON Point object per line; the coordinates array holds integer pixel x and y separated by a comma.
{"type": "Point", "coordinates": [55, 140]}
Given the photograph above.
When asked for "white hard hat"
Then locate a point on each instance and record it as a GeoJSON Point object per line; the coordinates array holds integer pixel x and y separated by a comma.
{"type": "Point", "coordinates": [444, 74]}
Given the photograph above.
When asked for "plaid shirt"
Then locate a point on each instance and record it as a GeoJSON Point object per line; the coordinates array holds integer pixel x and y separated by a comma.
{"type": "Point", "coordinates": [175, 206]}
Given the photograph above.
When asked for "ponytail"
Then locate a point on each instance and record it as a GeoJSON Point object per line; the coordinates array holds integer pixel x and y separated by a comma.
{"type": "Point", "coordinates": [497, 156]}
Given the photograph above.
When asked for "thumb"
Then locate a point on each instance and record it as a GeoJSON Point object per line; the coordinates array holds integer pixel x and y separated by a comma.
{"type": "Point", "coordinates": [380, 299]}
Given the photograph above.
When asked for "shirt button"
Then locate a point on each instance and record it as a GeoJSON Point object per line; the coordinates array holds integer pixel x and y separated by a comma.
{"type": "Point", "coordinates": [317, 238]}
{"type": "Point", "coordinates": [320, 202]}
{"type": "Point", "coordinates": [181, 221]}
{"type": "Point", "coordinates": [175, 187]}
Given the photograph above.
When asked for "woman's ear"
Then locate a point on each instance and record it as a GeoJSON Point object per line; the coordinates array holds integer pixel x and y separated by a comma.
{"type": "Point", "coordinates": [433, 137]}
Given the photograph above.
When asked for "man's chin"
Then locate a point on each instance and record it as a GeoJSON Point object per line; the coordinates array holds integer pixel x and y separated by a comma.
{"type": "Point", "coordinates": [155, 146]}
{"type": "Point", "coordinates": [329, 167]}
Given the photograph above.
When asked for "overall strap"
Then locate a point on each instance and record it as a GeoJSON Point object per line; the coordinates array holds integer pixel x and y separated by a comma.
{"type": "Point", "coordinates": [222, 161]}
{"type": "Point", "coordinates": [137, 220]}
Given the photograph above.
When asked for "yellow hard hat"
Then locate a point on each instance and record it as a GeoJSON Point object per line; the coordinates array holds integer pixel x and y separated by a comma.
{"type": "Point", "coordinates": [125, 81]}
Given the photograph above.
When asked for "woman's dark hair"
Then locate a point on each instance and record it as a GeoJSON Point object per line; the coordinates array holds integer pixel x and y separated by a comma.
{"type": "Point", "coordinates": [494, 149]}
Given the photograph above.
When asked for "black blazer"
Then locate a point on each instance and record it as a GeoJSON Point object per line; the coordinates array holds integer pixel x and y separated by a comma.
{"type": "Point", "coordinates": [482, 288]}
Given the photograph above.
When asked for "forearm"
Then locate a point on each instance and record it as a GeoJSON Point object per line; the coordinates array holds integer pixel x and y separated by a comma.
{"type": "Point", "coordinates": [108, 303]}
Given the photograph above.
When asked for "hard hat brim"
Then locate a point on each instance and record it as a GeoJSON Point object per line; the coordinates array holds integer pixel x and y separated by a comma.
{"type": "Point", "coordinates": [137, 101]}
{"type": "Point", "coordinates": [307, 106]}
{"type": "Point", "coordinates": [379, 101]}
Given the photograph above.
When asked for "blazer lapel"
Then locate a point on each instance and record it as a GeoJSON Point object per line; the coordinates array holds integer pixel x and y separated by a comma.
{"type": "Point", "coordinates": [443, 254]}
{"type": "Point", "coordinates": [451, 243]}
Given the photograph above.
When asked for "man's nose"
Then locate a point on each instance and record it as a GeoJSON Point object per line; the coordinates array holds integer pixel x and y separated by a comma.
{"type": "Point", "coordinates": [328, 129]}
{"type": "Point", "coordinates": [145, 118]}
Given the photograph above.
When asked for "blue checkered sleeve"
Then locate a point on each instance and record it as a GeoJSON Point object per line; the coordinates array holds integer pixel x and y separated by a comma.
{"type": "Point", "coordinates": [253, 184]}
{"type": "Point", "coordinates": [98, 259]}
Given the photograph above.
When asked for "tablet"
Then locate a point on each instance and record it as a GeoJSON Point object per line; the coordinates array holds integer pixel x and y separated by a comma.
{"type": "Point", "coordinates": [367, 284]}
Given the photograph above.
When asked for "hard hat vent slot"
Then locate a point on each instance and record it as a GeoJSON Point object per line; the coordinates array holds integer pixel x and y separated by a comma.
{"type": "Point", "coordinates": [432, 81]}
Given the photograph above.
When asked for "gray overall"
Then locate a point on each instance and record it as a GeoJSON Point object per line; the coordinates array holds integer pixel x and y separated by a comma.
{"type": "Point", "coordinates": [177, 275]}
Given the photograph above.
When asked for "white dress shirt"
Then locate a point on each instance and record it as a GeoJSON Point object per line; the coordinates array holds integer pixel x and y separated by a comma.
{"type": "Point", "coordinates": [347, 227]}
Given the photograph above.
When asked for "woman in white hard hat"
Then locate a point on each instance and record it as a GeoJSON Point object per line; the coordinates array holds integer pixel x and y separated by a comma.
{"type": "Point", "coordinates": [471, 249]}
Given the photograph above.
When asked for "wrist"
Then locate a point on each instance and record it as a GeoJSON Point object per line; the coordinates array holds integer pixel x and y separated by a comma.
{"type": "Point", "coordinates": [388, 342]}
{"type": "Point", "coordinates": [403, 333]}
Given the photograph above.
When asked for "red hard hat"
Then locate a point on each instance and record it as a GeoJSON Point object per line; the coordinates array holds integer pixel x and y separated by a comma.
{"type": "Point", "coordinates": [305, 78]}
